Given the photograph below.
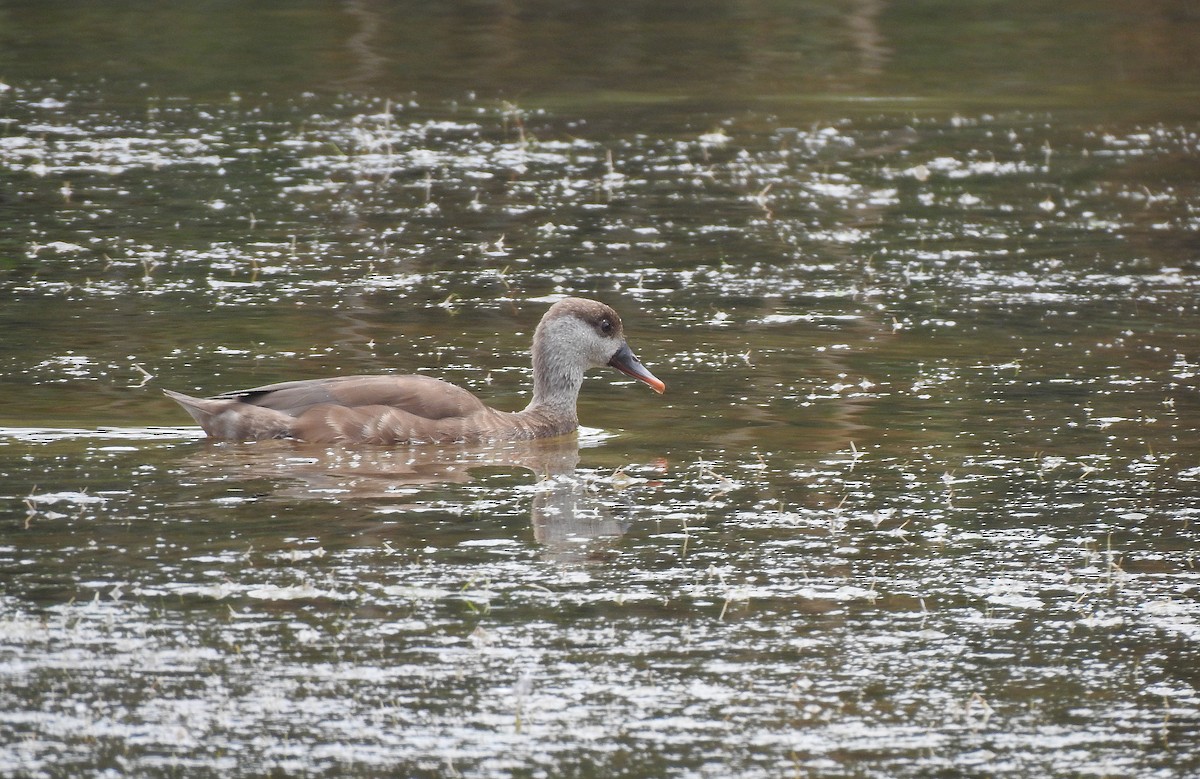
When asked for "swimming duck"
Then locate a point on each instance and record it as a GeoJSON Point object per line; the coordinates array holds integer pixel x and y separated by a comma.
{"type": "Point", "coordinates": [575, 334]}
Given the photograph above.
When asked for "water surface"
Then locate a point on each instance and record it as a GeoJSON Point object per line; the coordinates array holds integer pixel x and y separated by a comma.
{"type": "Point", "coordinates": [922, 283]}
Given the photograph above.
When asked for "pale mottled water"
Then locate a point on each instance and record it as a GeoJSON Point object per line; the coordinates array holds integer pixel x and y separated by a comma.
{"type": "Point", "coordinates": [920, 499]}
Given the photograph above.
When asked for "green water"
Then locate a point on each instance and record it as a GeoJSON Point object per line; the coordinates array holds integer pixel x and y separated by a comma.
{"type": "Point", "coordinates": [921, 280]}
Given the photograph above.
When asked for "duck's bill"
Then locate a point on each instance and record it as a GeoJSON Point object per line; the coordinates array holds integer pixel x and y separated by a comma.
{"type": "Point", "coordinates": [626, 363]}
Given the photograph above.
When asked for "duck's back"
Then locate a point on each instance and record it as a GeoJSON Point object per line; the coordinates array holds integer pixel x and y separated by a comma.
{"type": "Point", "coordinates": [422, 396]}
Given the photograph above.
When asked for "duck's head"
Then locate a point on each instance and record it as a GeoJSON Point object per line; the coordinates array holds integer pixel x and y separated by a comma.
{"type": "Point", "coordinates": [588, 334]}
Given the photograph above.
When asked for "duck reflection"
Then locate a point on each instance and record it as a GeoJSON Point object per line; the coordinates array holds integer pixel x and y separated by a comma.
{"type": "Point", "coordinates": [565, 506]}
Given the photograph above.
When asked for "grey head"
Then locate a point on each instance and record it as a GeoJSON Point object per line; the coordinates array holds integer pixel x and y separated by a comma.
{"type": "Point", "coordinates": [574, 335]}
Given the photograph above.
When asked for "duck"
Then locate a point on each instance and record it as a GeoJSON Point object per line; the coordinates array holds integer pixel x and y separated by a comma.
{"type": "Point", "coordinates": [574, 335]}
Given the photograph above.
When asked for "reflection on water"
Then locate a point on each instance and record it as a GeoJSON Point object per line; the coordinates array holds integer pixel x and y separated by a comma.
{"type": "Point", "coordinates": [921, 499]}
{"type": "Point", "coordinates": [587, 57]}
{"type": "Point", "coordinates": [565, 505]}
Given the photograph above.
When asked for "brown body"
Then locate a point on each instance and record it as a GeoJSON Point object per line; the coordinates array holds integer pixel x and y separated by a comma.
{"type": "Point", "coordinates": [574, 335]}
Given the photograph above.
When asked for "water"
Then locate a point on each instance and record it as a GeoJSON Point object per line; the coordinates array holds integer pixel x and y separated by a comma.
{"type": "Point", "coordinates": [919, 500]}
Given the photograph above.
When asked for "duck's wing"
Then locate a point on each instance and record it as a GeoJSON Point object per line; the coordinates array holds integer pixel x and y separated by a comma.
{"type": "Point", "coordinates": [423, 397]}
{"type": "Point", "coordinates": [351, 409]}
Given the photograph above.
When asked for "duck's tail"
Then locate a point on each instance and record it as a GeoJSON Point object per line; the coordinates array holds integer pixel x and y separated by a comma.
{"type": "Point", "coordinates": [232, 420]}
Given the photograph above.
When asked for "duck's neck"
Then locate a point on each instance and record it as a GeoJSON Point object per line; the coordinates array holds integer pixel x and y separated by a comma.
{"type": "Point", "coordinates": [556, 382]}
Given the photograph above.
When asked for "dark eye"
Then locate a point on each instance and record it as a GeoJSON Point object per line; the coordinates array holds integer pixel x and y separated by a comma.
{"type": "Point", "coordinates": [606, 326]}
